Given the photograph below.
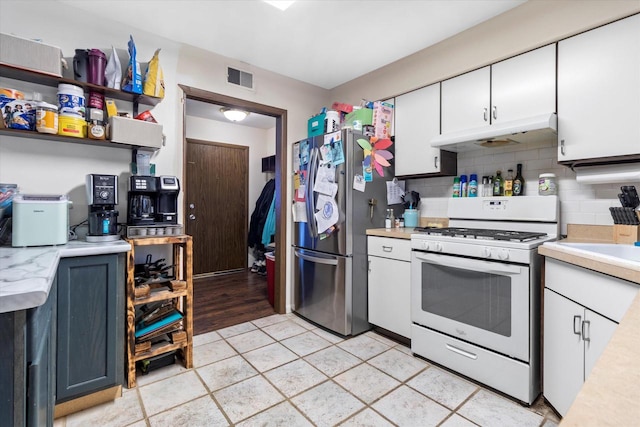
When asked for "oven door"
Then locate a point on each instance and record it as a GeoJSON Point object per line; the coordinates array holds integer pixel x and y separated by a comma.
{"type": "Point", "coordinates": [482, 302]}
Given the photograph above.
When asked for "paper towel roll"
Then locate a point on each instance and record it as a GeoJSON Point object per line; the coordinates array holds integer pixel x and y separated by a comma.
{"type": "Point", "coordinates": [607, 174]}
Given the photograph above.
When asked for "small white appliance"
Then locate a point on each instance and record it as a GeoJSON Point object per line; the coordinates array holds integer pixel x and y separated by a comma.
{"type": "Point", "coordinates": [40, 220]}
{"type": "Point", "coordinates": [475, 290]}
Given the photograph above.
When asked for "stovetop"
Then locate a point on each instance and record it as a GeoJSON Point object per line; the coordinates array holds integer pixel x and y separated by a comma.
{"type": "Point", "coordinates": [482, 234]}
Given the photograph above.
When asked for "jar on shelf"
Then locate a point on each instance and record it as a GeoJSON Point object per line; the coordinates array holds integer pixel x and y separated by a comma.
{"type": "Point", "coordinates": [547, 185]}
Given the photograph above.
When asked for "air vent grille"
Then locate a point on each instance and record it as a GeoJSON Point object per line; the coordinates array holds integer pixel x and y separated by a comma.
{"type": "Point", "coordinates": [240, 78]}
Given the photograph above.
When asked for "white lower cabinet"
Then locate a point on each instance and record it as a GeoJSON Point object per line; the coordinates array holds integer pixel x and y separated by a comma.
{"type": "Point", "coordinates": [390, 284]}
{"type": "Point", "coordinates": [582, 309]}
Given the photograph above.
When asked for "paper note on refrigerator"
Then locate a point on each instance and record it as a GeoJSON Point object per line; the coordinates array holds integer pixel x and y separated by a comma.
{"type": "Point", "coordinates": [359, 183]}
{"type": "Point", "coordinates": [327, 214]}
{"type": "Point", "coordinates": [299, 212]}
{"type": "Point", "coordinates": [395, 191]}
{"type": "Point", "coordinates": [325, 180]}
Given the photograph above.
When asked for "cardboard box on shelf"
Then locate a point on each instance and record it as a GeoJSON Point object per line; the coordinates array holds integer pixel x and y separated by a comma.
{"type": "Point", "coordinates": [30, 54]}
{"type": "Point", "coordinates": [135, 132]}
{"type": "Point", "coordinates": [381, 119]}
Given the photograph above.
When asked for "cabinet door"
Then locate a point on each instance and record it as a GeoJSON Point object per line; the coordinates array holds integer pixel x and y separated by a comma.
{"type": "Point", "coordinates": [87, 325]}
{"type": "Point", "coordinates": [598, 332]}
{"type": "Point", "coordinates": [417, 122]}
{"type": "Point", "coordinates": [524, 86]}
{"type": "Point", "coordinates": [598, 92]}
{"type": "Point", "coordinates": [465, 101]}
{"type": "Point", "coordinates": [389, 295]}
{"type": "Point", "coordinates": [563, 372]}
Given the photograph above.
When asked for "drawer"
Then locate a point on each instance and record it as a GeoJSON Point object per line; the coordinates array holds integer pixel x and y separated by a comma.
{"type": "Point", "coordinates": [606, 295]}
{"type": "Point", "coordinates": [388, 247]}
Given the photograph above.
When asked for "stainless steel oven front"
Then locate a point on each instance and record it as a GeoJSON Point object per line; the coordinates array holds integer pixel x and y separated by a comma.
{"type": "Point", "coordinates": [483, 302]}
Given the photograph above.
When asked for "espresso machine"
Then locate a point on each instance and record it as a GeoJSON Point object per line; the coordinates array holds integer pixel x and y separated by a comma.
{"type": "Point", "coordinates": [153, 200]}
{"type": "Point", "coordinates": [102, 196]}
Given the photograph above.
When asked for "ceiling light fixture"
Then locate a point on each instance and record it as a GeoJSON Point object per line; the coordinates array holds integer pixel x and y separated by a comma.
{"type": "Point", "coordinates": [234, 115]}
{"type": "Point", "coordinates": [282, 5]}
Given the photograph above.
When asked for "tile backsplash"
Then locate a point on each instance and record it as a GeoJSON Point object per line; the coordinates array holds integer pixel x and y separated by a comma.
{"type": "Point", "coordinates": [579, 203]}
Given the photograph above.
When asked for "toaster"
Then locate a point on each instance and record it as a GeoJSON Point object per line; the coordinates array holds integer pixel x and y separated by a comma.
{"type": "Point", "coordinates": [40, 220]}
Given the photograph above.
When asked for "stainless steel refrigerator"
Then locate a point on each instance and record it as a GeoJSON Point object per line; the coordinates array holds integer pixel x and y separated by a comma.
{"type": "Point", "coordinates": [330, 268]}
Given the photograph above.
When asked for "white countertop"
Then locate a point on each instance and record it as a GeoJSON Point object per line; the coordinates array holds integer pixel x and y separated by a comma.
{"type": "Point", "coordinates": [26, 274]}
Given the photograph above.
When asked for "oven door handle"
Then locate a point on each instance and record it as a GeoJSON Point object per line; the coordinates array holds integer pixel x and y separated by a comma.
{"type": "Point", "coordinates": [469, 264]}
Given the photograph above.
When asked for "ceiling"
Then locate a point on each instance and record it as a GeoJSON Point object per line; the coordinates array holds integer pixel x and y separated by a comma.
{"type": "Point", "coordinates": [322, 42]}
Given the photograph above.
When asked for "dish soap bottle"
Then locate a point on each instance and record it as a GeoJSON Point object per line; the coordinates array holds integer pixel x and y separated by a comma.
{"type": "Point", "coordinates": [508, 183]}
{"type": "Point", "coordinates": [498, 184]}
{"type": "Point", "coordinates": [518, 182]}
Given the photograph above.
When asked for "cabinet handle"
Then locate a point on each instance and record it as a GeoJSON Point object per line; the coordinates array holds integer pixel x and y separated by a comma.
{"type": "Point", "coordinates": [485, 114]}
{"type": "Point", "coordinates": [369, 266]}
{"type": "Point", "coordinates": [387, 248]}
{"type": "Point", "coordinates": [435, 161]}
{"type": "Point", "coordinates": [495, 112]}
{"type": "Point", "coordinates": [586, 330]}
{"type": "Point", "coordinates": [576, 325]}
{"type": "Point", "coordinates": [562, 147]}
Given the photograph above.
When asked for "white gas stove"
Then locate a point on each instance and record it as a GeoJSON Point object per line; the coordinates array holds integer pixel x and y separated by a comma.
{"type": "Point", "coordinates": [475, 290]}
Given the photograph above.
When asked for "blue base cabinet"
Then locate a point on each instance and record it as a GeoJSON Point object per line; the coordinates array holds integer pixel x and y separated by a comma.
{"type": "Point", "coordinates": [90, 330]}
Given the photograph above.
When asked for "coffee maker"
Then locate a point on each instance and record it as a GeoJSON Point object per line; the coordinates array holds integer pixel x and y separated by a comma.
{"type": "Point", "coordinates": [102, 196]}
{"type": "Point", "coordinates": [167, 202]}
{"type": "Point", "coordinates": [142, 200]}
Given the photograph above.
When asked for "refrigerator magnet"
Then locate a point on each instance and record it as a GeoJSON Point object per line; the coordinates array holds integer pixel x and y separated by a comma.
{"type": "Point", "coordinates": [358, 183]}
{"type": "Point", "coordinates": [367, 172]}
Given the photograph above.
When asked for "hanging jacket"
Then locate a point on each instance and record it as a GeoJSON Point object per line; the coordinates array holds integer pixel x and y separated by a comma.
{"type": "Point", "coordinates": [260, 212]}
{"type": "Point", "coordinates": [270, 224]}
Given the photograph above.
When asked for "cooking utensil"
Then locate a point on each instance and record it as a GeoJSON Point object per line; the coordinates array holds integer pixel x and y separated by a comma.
{"type": "Point", "coordinates": [630, 195]}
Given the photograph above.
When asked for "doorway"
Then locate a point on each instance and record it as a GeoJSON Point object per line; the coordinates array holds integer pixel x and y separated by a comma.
{"type": "Point", "coordinates": [281, 179]}
{"type": "Point", "coordinates": [217, 179]}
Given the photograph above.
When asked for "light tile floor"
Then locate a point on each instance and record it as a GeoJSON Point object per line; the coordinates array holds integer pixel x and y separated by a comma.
{"type": "Point", "coordinates": [283, 371]}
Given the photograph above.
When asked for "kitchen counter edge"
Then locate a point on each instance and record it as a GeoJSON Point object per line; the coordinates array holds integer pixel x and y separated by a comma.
{"type": "Point", "coordinates": [396, 233]}
{"type": "Point", "coordinates": [609, 396]}
{"type": "Point", "coordinates": [26, 274]}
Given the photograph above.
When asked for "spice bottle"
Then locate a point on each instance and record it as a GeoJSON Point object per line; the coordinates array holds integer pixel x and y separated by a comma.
{"type": "Point", "coordinates": [463, 185]}
{"type": "Point", "coordinates": [456, 187]}
{"type": "Point", "coordinates": [473, 185]}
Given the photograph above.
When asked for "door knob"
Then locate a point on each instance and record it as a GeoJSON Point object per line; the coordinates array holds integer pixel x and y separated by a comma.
{"type": "Point", "coordinates": [192, 206]}
{"type": "Point", "coordinates": [192, 216]}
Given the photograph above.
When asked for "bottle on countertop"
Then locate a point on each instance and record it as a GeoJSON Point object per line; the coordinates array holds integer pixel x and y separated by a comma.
{"type": "Point", "coordinates": [488, 189]}
{"type": "Point", "coordinates": [456, 187]}
{"type": "Point", "coordinates": [473, 185]}
{"type": "Point", "coordinates": [498, 184]}
{"type": "Point", "coordinates": [388, 221]}
{"type": "Point", "coordinates": [508, 183]}
{"type": "Point", "coordinates": [463, 185]}
{"type": "Point", "coordinates": [518, 182]}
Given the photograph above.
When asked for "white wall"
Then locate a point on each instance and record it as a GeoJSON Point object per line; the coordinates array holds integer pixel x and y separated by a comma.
{"type": "Point", "coordinates": [523, 28]}
{"type": "Point", "coordinates": [53, 167]}
{"type": "Point", "coordinates": [261, 143]}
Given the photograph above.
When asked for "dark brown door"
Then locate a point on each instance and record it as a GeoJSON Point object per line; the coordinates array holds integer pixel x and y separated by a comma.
{"type": "Point", "coordinates": [217, 205]}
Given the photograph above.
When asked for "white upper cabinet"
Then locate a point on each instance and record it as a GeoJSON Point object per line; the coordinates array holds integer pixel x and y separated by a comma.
{"type": "Point", "coordinates": [517, 88]}
{"type": "Point", "coordinates": [466, 101]}
{"type": "Point", "coordinates": [599, 92]}
{"type": "Point", "coordinates": [417, 121]}
{"type": "Point", "coordinates": [524, 86]}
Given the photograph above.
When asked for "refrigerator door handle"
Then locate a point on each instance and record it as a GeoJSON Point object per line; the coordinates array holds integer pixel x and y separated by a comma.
{"type": "Point", "coordinates": [317, 260]}
{"type": "Point", "coordinates": [311, 208]}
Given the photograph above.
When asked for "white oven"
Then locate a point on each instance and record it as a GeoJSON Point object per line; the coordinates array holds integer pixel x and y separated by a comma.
{"type": "Point", "coordinates": [475, 291]}
{"type": "Point", "coordinates": [483, 302]}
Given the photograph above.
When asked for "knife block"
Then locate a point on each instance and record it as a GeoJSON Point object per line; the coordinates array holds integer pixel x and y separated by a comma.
{"type": "Point", "coordinates": [626, 234]}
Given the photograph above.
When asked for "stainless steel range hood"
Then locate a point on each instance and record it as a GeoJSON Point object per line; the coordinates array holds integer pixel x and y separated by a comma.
{"type": "Point", "coordinates": [500, 134]}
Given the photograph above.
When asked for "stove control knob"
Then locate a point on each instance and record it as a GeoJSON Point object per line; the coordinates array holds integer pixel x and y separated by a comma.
{"type": "Point", "coordinates": [437, 247]}
{"type": "Point", "coordinates": [486, 252]}
{"type": "Point", "coordinates": [425, 246]}
{"type": "Point", "coordinates": [503, 254]}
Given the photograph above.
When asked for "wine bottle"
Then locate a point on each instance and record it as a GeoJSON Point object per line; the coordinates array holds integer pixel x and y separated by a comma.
{"type": "Point", "coordinates": [518, 182]}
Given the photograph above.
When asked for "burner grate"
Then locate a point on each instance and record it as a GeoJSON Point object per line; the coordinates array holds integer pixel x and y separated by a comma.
{"type": "Point", "coordinates": [484, 234]}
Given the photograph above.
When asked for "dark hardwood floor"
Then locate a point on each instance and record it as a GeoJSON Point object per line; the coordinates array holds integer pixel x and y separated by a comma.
{"type": "Point", "coordinates": [229, 299]}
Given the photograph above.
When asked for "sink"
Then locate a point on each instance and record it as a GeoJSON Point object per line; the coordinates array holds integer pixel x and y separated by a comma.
{"type": "Point", "coordinates": [627, 253]}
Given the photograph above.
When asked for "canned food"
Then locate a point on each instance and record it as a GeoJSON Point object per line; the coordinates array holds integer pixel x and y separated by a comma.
{"type": "Point", "coordinates": [46, 118]}
{"type": "Point", "coordinates": [547, 184]}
